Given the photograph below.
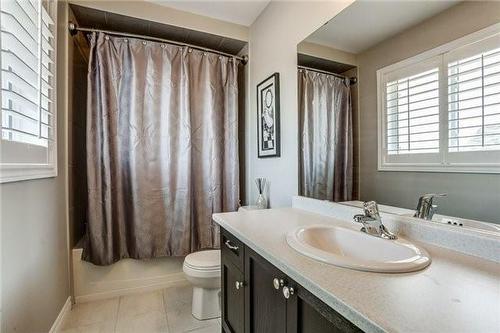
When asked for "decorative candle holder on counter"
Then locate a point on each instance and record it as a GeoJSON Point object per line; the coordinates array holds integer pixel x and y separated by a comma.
{"type": "Point", "coordinates": [261, 202]}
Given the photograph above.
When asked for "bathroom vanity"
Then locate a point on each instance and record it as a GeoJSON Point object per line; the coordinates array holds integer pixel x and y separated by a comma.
{"type": "Point", "coordinates": [268, 286]}
{"type": "Point", "coordinates": [259, 297]}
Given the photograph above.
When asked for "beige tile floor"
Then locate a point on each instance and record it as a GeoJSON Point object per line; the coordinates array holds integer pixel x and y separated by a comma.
{"type": "Point", "coordinates": [167, 310]}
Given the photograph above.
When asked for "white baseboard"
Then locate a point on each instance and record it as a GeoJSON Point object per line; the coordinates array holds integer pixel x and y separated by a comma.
{"type": "Point", "coordinates": [56, 327]}
{"type": "Point", "coordinates": [175, 280]}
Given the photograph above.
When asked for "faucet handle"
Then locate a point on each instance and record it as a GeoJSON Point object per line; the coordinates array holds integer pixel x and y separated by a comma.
{"type": "Point", "coordinates": [429, 198]}
{"type": "Point", "coordinates": [434, 195]}
{"type": "Point", "coordinates": [371, 209]}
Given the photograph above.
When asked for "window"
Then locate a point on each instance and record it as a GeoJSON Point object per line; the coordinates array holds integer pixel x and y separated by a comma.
{"type": "Point", "coordinates": [440, 110]}
{"type": "Point", "coordinates": [28, 136]}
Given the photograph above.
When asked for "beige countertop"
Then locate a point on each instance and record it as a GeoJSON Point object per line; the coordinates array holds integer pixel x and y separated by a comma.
{"type": "Point", "coordinates": [456, 293]}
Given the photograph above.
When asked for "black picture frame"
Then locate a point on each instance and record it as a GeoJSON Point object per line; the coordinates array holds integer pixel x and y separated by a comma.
{"type": "Point", "coordinates": [268, 117]}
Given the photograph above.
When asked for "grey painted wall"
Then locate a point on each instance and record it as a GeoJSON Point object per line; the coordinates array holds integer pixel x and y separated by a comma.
{"type": "Point", "coordinates": [34, 249]}
{"type": "Point", "coordinates": [475, 196]}
{"type": "Point", "coordinates": [34, 265]}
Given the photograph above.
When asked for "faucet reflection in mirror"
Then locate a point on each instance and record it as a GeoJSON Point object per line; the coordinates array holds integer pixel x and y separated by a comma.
{"type": "Point", "coordinates": [425, 208]}
{"type": "Point", "coordinates": [261, 202]}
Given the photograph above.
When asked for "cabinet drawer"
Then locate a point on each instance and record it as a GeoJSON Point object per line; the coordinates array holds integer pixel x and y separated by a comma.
{"type": "Point", "coordinates": [232, 249]}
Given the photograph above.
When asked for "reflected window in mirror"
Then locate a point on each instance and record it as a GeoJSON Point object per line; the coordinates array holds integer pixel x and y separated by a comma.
{"type": "Point", "coordinates": [440, 110]}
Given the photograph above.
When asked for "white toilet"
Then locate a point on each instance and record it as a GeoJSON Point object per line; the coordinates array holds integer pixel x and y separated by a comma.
{"type": "Point", "coordinates": [202, 269]}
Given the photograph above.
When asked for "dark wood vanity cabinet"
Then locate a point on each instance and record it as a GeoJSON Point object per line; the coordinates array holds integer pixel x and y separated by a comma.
{"type": "Point", "coordinates": [232, 284]}
{"type": "Point", "coordinates": [259, 298]}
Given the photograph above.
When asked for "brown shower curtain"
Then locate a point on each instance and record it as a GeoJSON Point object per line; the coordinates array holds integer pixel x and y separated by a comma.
{"type": "Point", "coordinates": [325, 127]}
{"type": "Point", "coordinates": [162, 141]}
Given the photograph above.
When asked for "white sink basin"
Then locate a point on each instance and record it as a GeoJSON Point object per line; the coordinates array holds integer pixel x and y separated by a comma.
{"type": "Point", "coordinates": [356, 250]}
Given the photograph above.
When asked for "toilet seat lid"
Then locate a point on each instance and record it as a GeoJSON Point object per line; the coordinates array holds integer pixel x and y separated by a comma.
{"type": "Point", "coordinates": [203, 260]}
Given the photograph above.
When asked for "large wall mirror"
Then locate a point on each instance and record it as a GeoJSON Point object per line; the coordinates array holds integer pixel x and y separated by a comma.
{"type": "Point", "coordinates": [399, 102]}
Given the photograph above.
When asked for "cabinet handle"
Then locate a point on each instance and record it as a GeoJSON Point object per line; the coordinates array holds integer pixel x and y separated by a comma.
{"type": "Point", "coordinates": [278, 283]}
{"type": "Point", "coordinates": [239, 284]}
{"type": "Point", "coordinates": [288, 291]}
{"type": "Point", "coordinates": [231, 246]}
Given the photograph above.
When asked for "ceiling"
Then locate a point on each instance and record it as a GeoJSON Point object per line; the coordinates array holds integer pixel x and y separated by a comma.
{"type": "Point", "coordinates": [242, 12]}
{"type": "Point", "coordinates": [367, 23]}
{"type": "Point", "coordinates": [98, 19]}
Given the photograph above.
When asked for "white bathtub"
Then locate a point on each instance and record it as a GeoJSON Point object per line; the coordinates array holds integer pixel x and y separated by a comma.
{"type": "Point", "coordinates": [124, 277]}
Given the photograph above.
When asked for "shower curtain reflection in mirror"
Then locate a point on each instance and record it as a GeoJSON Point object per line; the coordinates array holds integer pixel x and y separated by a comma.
{"type": "Point", "coordinates": [325, 127]}
{"type": "Point", "coordinates": [162, 140]}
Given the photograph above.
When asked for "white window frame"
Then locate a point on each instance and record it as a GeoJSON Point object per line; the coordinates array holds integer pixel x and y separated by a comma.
{"type": "Point", "coordinates": [423, 162]}
{"type": "Point", "coordinates": [13, 172]}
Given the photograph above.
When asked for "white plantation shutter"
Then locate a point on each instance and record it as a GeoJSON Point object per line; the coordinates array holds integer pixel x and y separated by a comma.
{"type": "Point", "coordinates": [412, 105]}
{"type": "Point", "coordinates": [474, 97]}
{"type": "Point", "coordinates": [28, 88]}
{"type": "Point", "coordinates": [440, 111]}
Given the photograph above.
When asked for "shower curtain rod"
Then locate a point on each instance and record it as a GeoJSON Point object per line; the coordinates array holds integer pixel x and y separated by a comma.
{"type": "Point", "coordinates": [73, 30]}
{"type": "Point", "coordinates": [352, 80]}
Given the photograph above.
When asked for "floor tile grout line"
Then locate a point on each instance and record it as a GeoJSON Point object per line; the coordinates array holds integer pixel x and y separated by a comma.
{"type": "Point", "coordinates": [117, 312]}
{"type": "Point", "coordinates": [164, 309]}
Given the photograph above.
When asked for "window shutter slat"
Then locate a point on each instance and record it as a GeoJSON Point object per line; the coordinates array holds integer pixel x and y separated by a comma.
{"type": "Point", "coordinates": [24, 14]}
{"type": "Point", "coordinates": [28, 7]}
{"type": "Point", "coordinates": [13, 44]}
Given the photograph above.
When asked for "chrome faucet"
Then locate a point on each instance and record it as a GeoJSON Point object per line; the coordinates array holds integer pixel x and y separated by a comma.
{"type": "Point", "coordinates": [425, 208]}
{"type": "Point", "coordinates": [372, 222]}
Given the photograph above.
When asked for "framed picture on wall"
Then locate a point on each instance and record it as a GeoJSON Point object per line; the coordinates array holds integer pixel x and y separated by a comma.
{"type": "Point", "coordinates": [268, 117]}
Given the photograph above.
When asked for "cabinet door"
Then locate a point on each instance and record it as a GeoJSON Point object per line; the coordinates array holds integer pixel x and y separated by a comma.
{"type": "Point", "coordinates": [308, 314]}
{"type": "Point", "coordinates": [265, 306]}
{"type": "Point", "coordinates": [233, 297]}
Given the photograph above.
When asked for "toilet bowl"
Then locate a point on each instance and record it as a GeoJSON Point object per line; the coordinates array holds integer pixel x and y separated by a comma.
{"type": "Point", "coordinates": [202, 270]}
